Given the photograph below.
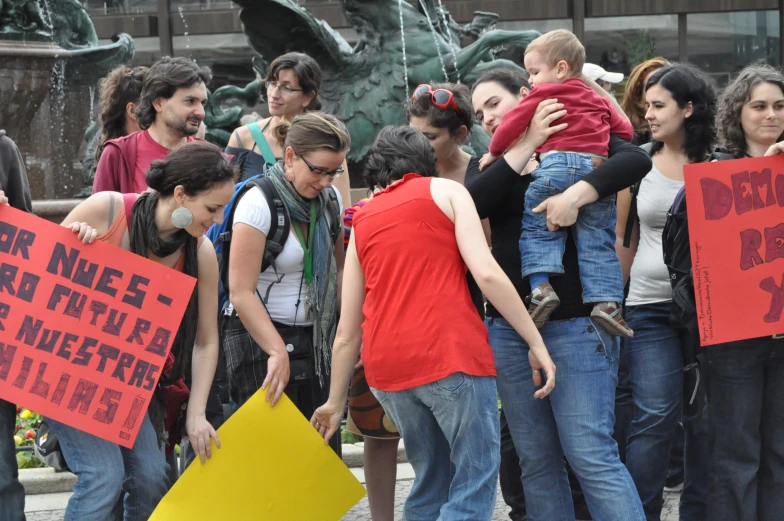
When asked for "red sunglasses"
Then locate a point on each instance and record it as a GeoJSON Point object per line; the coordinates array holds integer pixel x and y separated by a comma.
{"type": "Point", "coordinates": [440, 98]}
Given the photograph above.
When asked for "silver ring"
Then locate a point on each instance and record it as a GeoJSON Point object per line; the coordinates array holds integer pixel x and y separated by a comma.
{"type": "Point", "coordinates": [535, 370]}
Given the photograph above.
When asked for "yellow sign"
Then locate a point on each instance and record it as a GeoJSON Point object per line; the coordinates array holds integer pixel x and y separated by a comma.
{"type": "Point", "coordinates": [272, 466]}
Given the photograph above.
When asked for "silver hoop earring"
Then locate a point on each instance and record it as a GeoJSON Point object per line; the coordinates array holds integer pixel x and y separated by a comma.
{"type": "Point", "coordinates": [182, 217]}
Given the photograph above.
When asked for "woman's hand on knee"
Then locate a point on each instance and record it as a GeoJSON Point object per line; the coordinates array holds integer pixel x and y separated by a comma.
{"type": "Point", "coordinates": [199, 433]}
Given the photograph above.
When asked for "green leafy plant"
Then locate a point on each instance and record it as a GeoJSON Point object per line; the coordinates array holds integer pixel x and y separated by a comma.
{"type": "Point", "coordinates": [27, 423]}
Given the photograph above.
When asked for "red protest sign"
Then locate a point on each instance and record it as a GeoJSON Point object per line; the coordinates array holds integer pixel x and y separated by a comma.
{"type": "Point", "coordinates": [84, 329]}
{"type": "Point", "coordinates": [736, 228]}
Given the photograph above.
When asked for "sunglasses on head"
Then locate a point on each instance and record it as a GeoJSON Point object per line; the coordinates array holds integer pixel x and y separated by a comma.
{"type": "Point", "coordinates": [334, 174]}
{"type": "Point", "coordinates": [440, 98]}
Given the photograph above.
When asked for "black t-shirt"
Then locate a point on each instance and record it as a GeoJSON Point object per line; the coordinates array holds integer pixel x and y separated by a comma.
{"type": "Point", "coordinates": [476, 294]}
{"type": "Point", "coordinates": [499, 193]}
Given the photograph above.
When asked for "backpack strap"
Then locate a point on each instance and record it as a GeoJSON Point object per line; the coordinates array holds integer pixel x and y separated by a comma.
{"type": "Point", "coordinates": [280, 222]}
{"type": "Point", "coordinates": [237, 137]}
{"type": "Point", "coordinates": [333, 207]}
{"type": "Point", "coordinates": [261, 142]}
{"type": "Point", "coordinates": [631, 219]}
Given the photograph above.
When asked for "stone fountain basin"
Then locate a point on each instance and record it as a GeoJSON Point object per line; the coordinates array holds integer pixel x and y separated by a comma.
{"type": "Point", "coordinates": [47, 100]}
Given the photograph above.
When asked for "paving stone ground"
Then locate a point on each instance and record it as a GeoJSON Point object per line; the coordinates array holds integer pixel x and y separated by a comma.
{"type": "Point", "coordinates": [361, 511]}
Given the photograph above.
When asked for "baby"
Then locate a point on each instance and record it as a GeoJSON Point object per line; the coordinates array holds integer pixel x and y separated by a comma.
{"type": "Point", "coordinates": [554, 62]}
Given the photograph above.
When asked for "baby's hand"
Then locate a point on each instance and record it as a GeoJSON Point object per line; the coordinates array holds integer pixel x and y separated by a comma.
{"type": "Point", "coordinates": [487, 160]}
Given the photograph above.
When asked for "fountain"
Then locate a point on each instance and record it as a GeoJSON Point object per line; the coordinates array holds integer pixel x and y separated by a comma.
{"type": "Point", "coordinates": [400, 46]}
{"type": "Point", "coordinates": [50, 62]}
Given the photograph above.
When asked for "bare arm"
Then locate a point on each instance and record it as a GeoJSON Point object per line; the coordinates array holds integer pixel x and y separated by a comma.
{"type": "Point", "coordinates": [625, 255]}
{"type": "Point", "coordinates": [247, 244]}
{"type": "Point", "coordinates": [456, 203]}
{"type": "Point", "coordinates": [205, 354]}
{"type": "Point", "coordinates": [345, 350]}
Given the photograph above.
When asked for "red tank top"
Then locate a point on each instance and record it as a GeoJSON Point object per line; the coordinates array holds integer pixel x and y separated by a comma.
{"type": "Point", "coordinates": [420, 324]}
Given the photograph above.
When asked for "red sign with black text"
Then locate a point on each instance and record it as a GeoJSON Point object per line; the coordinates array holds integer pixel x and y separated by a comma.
{"type": "Point", "coordinates": [736, 228]}
{"type": "Point", "coordinates": [84, 329]}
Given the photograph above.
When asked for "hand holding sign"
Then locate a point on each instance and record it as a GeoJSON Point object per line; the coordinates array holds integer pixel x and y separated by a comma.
{"type": "Point", "coordinates": [84, 329]}
{"type": "Point", "coordinates": [736, 228]}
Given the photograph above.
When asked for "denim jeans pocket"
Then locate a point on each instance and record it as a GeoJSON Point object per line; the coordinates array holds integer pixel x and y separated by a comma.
{"type": "Point", "coordinates": [599, 214]}
{"type": "Point", "coordinates": [452, 387]}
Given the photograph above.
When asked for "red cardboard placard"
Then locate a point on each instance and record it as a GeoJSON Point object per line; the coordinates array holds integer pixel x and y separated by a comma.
{"type": "Point", "coordinates": [736, 228]}
{"type": "Point", "coordinates": [84, 329]}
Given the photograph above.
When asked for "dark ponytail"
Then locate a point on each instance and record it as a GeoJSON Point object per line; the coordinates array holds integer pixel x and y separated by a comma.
{"type": "Point", "coordinates": [197, 167]}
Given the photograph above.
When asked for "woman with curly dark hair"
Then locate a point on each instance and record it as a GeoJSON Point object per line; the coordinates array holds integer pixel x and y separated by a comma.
{"type": "Point", "coordinates": [746, 420]}
{"type": "Point", "coordinates": [120, 91]}
{"type": "Point", "coordinates": [681, 108]}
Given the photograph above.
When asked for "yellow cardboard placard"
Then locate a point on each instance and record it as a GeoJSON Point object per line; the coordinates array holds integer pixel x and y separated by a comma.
{"type": "Point", "coordinates": [272, 466]}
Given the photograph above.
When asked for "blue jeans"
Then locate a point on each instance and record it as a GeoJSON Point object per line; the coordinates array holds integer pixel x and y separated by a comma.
{"type": "Point", "coordinates": [110, 476]}
{"type": "Point", "coordinates": [451, 433]}
{"type": "Point", "coordinates": [654, 358]}
{"type": "Point", "coordinates": [746, 430]}
{"type": "Point", "coordinates": [594, 232]}
{"type": "Point", "coordinates": [12, 495]}
{"type": "Point", "coordinates": [575, 421]}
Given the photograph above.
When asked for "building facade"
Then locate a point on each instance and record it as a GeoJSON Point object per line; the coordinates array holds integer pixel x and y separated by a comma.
{"type": "Point", "coordinates": [719, 36]}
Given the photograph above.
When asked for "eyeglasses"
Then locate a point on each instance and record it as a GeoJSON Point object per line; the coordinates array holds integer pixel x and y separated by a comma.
{"type": "Point", "coordinates": [334, 174]}
{"type": "Point", "coordinates": [440, 98]}
{"type": "Point", "coordinates": [284, 89]}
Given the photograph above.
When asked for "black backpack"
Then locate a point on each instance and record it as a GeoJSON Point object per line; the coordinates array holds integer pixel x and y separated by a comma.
{"type": "Point", "coordinates": [676, 249]}
{"type": "Point", "coordinates": [280, 224]}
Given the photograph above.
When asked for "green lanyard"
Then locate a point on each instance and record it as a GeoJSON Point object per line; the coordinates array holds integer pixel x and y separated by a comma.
{"type": "Point", "coordinates": [308, 272]}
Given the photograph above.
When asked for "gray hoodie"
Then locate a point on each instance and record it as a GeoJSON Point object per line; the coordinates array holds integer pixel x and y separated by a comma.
{"type": "Point", "coordinates": [13, 176]}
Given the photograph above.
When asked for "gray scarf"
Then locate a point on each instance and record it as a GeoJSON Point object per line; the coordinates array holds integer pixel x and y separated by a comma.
{"type": "Point", "coordinates": [324, 287]}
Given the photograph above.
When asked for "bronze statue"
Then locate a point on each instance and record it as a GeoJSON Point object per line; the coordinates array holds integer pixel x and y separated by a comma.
{"type": "Point", "coordinates": [22, 16]}
{"type": "Point", "coordinates": [366, 86]}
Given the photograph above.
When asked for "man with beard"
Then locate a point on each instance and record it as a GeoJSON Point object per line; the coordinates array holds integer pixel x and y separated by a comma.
{"type": "Point", "coordinates": [169, 112]}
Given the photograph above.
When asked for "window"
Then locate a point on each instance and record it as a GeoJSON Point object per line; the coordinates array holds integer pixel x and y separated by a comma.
{"type": "Point", "coordinates": [723, 43]}
{"type": "Point", "coordinates": [620, 43]}
{"type": "Point", "coordinates": [543, 26]}
{"type": "Point", "coordinates": [104, 7]}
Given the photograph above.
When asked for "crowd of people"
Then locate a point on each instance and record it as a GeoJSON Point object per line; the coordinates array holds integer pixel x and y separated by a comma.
{"type": "Point", "coordinates": [534, 275]}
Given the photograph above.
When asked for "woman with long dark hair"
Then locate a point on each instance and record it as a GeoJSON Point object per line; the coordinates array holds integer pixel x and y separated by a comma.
{"type": "Point", "coordinates": [681, 107]}
{"type": "Point", "coordinates": [576, 420]}
{"type": "Point", "coordinates": [167, 224]}
{"type": "Point", "coordinates": [120, 92]}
